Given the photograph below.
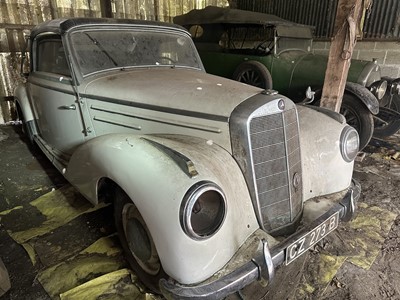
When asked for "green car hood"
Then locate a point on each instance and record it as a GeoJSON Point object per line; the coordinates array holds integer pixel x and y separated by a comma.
{"type": "Point", "coordinates": [293, 71]}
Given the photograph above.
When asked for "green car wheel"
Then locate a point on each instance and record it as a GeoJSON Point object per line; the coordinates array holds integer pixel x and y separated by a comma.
{"type": "Point", "coordinates": [253, 73]}
{"type": "Point", "coordinates": [358, 116]}
{"type": "Point", "coordinates": [385, 123]}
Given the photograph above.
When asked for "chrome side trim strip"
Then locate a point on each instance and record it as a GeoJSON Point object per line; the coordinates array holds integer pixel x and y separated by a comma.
{"type": "Point", "coordinates": [158, 120]}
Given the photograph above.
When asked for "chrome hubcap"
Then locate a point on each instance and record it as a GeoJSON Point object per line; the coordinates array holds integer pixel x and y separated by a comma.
{"type": "Point", "coordinates": [139, 240]}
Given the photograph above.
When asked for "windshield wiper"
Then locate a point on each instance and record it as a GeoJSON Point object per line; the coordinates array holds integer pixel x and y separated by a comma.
{"type": "Point", "coordinates": [97, 43]}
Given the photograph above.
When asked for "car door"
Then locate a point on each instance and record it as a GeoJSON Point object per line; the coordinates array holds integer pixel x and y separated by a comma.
{"type": "Point", "coordinates": [53, 97]}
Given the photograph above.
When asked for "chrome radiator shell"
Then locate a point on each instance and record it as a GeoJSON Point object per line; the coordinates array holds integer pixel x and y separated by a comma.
{"type": "Point", "coordinates": [265, 143]}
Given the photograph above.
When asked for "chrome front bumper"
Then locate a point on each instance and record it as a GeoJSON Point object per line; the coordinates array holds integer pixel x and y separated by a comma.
{"type": "Point", "coordinates": [264, 263]}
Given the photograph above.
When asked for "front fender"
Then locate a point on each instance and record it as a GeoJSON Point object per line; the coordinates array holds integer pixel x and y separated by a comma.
{"type": "Point", "coordinates": [364, 95]}
{"type": "Point", "coordinates": [157, 184]}
{"type": "Point", "coordinates": [324, 169]}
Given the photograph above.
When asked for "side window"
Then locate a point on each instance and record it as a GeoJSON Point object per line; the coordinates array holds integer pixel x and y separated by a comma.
{"type": "Point", "coordinates": [51, 57]}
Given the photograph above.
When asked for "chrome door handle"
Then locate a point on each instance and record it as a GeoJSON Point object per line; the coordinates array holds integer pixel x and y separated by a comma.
{"type": "Point", "coordinates": [68, 107]}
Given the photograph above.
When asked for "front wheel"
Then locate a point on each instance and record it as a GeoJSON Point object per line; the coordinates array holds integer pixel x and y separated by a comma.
{"type": "Point", "coordinates": [137, 242]}
{"type": "Point", "coordinates": [358, 116]}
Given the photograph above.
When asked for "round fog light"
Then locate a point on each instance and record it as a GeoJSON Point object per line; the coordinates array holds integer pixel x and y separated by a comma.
{"type": "Point", "coordinates": [349, 143]}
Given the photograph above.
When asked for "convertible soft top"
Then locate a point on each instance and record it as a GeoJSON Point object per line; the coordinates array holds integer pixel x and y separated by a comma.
{"type": "Point", "coordinates": [220, 15]}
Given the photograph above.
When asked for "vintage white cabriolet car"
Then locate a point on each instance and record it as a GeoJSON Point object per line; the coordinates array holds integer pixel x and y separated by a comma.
{"type": "Point", "coordinates": [215, 183]}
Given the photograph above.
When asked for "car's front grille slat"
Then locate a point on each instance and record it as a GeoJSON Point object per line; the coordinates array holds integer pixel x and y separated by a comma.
{"type": "Point", "coordinates": [275, 155]}
{"type": "Point", "coordinates": [265, 144]}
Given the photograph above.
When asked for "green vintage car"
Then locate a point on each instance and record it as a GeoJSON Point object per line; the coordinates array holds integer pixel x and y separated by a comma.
{"type": "Point", "coordinates": [269, 52]}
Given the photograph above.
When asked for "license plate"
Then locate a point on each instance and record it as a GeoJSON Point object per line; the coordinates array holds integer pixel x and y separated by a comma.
{"type": "Point", "coordinates": [312, 237]}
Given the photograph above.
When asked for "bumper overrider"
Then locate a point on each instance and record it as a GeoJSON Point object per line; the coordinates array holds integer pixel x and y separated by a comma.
{"type": "Point", "coordinates": [265, 261]}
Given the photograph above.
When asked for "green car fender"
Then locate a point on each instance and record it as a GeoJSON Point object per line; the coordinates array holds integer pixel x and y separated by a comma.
{"type": "Point", "coordinates": [361, 93]}
{"type": "Point", "coordinates": [156, 172]}
{"type": "Point", "coordinates": [309, 70]}
{"type": "Point", "coordinates": [364, 95]}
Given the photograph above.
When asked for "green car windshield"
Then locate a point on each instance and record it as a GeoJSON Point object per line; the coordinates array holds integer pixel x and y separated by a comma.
{"type": "Point", "coordinates": [293, 38]}
{"type": "Point", "coordinates": [99, 50]}
{"type": "Point", "coordinates": [267, 39]}
{"type": "Point", "coordinates": [286, 43]}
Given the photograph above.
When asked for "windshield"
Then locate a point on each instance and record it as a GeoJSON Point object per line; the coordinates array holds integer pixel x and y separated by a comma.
{"type": "Point", "coordinates": [248, 37]}
{"type": "Point", "coordinates": [288, 43]}
{"type": "Point", "coordinates": [98, 50]}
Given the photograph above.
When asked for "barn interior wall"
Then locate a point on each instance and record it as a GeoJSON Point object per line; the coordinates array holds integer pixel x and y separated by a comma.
{"type": "Point", "coordinates": [386, 53]}
{"type": "Point", "coordinates": [381, 27]}
{"type": "Point", "coordinates": [382, 20]}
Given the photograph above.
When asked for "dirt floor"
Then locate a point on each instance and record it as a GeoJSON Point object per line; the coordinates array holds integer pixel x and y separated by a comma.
{"type": "Point", "coordinates": [379, 175]}
{"type": "Point", "coordinates": [361, 260]}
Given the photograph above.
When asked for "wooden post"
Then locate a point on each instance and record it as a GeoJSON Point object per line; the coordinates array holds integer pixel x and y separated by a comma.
{"type": "Point", "coordinates": [105, 7]}
{"type": "Point", "coordinates": [348, 18]}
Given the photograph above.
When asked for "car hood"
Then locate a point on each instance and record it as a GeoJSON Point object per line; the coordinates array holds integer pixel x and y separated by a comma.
{"type": "Point", "coordinates": [317, 63]}
{"type": "Point", "coordinates": [182, 89]}
{"type": "Point", "coordinates": [308, 69]}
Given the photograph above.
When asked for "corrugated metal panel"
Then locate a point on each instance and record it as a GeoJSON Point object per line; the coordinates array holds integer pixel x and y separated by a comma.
{"type": "Point", "coordinates": [383, 21]}
{"type": "Point", "coordinates": [318, 13]}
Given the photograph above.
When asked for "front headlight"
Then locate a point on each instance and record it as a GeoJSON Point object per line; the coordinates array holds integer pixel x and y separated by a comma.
{"type": "Point", "coordinates": [203, 210]}
{"type": "Point", "coordinates": [395, 87]}
{"type": "Point", "coordinates": [349, 143]}
{"type": "Point", "coordinates": [378, 88]}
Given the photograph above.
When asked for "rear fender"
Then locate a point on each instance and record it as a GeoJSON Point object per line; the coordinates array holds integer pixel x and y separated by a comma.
{"type": "Point", "coordinates": [21, 97]}
{"type": "Point", "coordinates": [23, 106]}
{"type": "Point", "coordinates": [363, 95]}
{"type": "Point", "coordinates": [157, 182]}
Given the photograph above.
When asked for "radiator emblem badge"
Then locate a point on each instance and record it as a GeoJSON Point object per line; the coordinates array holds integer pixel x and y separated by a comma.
{"type": "Point", "coordinates": [281, 104]}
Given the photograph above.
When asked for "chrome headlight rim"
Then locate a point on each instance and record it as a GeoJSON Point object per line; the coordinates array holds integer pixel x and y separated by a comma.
{"type": "Point", "coordinates": [348, 133]}
{"type": "Point", "coordinates": [379, 88]}
{"type": "Point", "coordinates": [188, 205]}
{"type": "Point", "coordinates": [395, 87]}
